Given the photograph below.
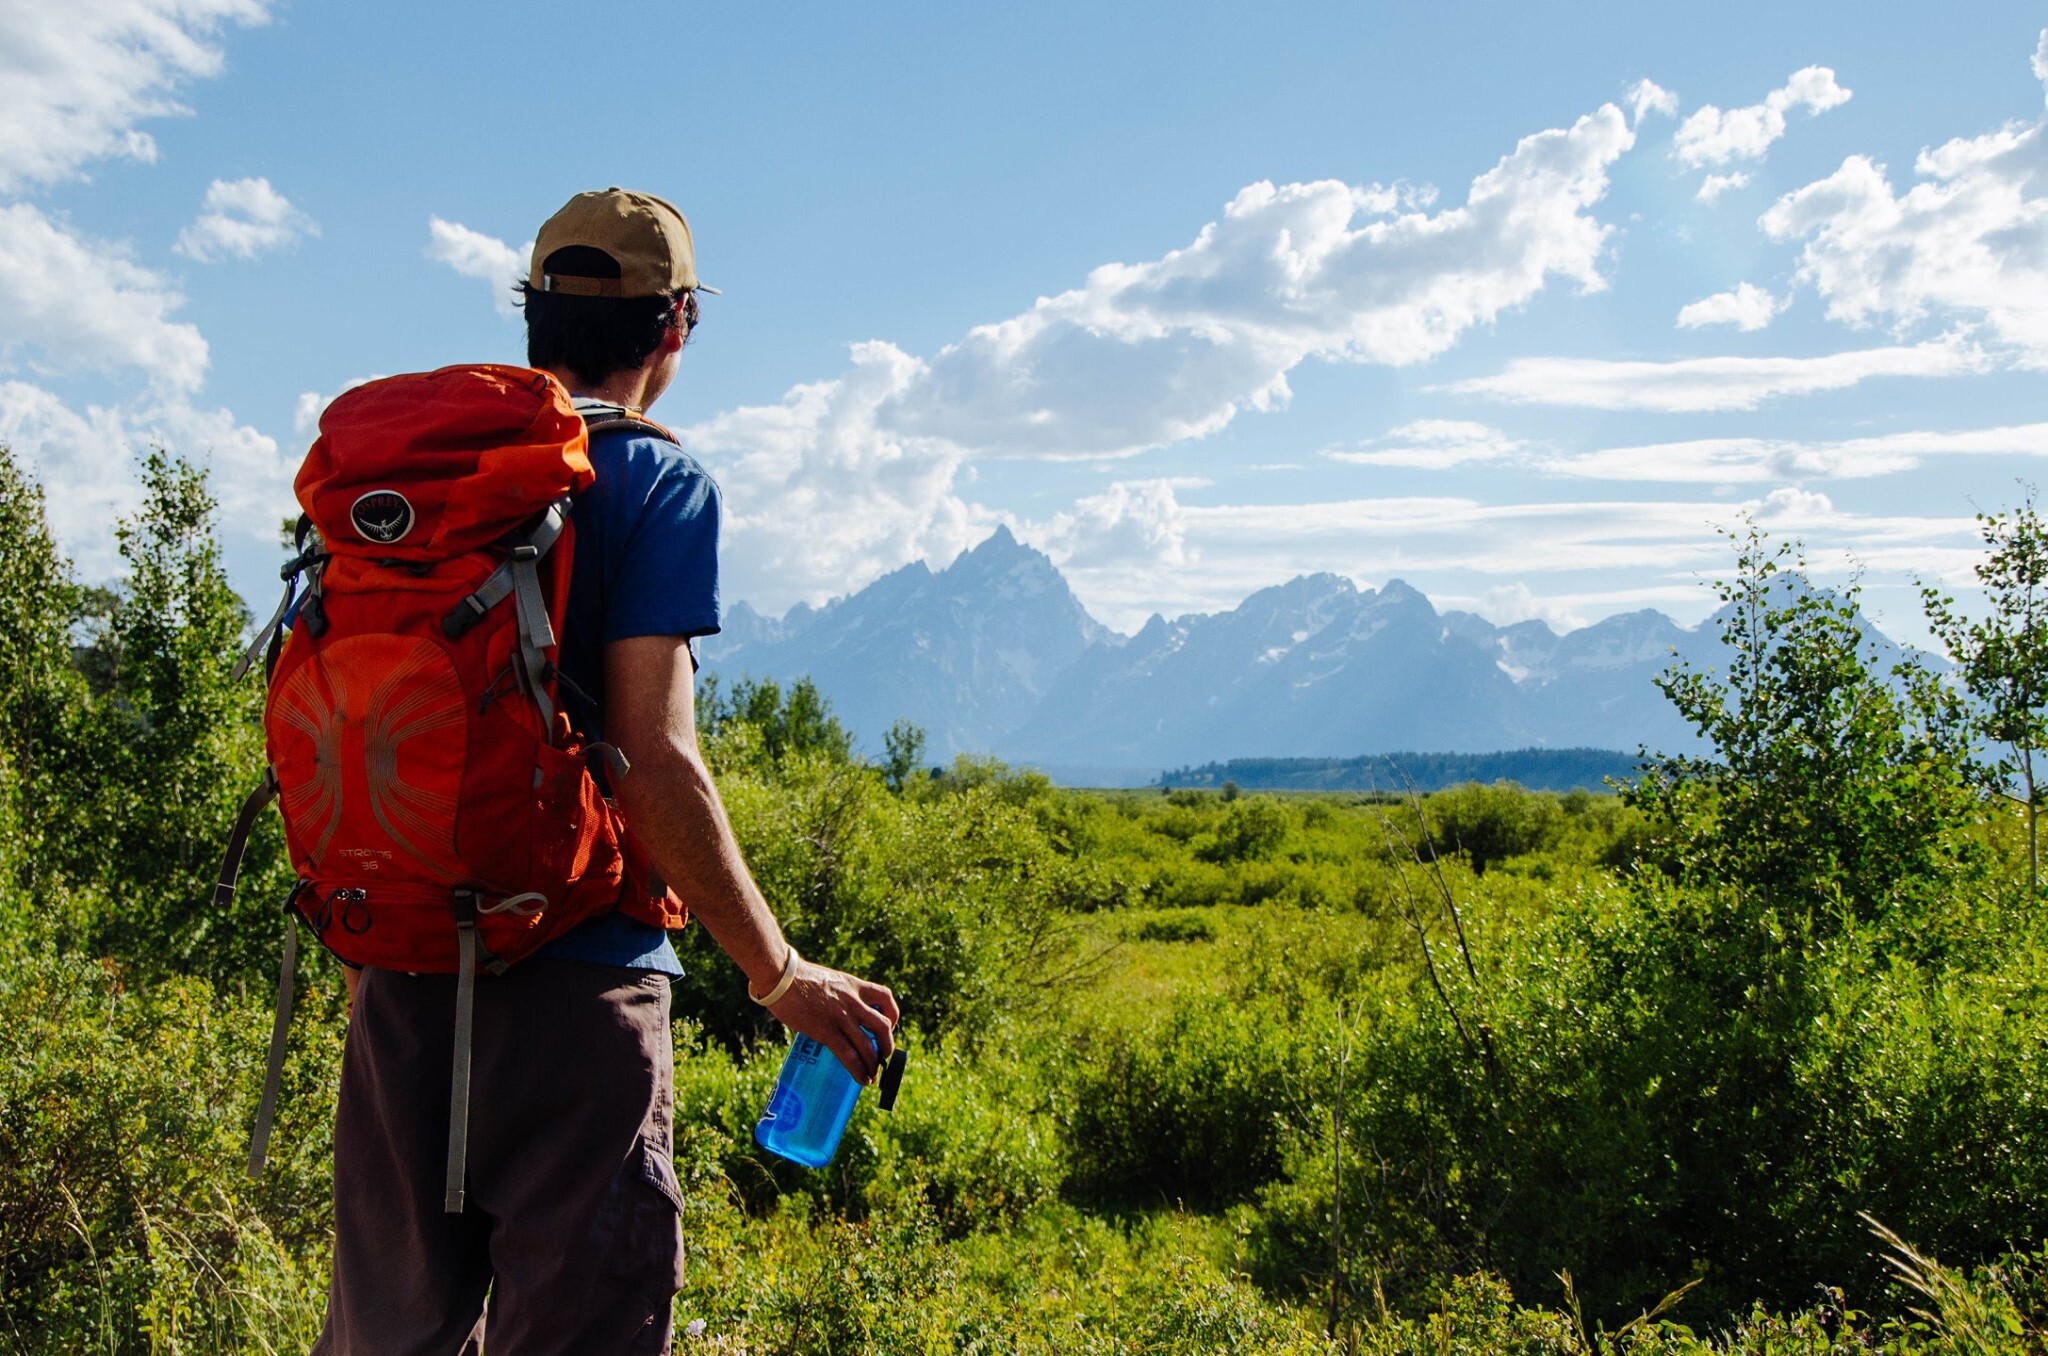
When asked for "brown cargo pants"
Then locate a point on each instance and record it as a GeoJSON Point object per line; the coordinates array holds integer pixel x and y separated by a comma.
{"type": "Point", "coordinates": [571, 1225]}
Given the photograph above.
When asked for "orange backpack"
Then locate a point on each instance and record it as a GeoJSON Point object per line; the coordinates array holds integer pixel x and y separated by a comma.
{"type": "Point", "coordinates": [439, 810]}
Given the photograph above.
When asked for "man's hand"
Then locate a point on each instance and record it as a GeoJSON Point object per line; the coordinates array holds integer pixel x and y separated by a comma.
{"type": "Point", "coordinates": [833, 1007]}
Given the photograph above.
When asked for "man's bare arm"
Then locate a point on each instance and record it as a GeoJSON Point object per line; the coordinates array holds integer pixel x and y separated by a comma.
{"type": "Point", "coordinates": [669, 799]}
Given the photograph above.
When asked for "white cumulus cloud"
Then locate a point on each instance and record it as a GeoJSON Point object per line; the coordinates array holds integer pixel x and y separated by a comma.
{"type": "Point", "coordinates": [847, 477]}
{"type": "Point", "coordinates": [86, 461]}
{"type": "Point", "coordinates": [1143, 355]}
{"type": "Point", "coordinates": [1131, 521]}
{"type": "Point", "coordinates": [240, 219]}
{"type": "Point", "coordinates": [1646, 97]}
{"type": "Point", "coordinates": [821, 496]}
{"type": "Point", "coordinates": [1506, 604]}
{"type": "Point", "coordinates": [484, 257]}
{"type": "Point", "coordinates": [1747, 308]}
{"type": "Point", "coordinates": [1714, 136]}
{"type": "Point", "coordinates": [75, 79]}
{"type": "Point", "coordinates": [1689, 385]}
{"type": "Point", "coordinates": [1968, 242]}
{"type": "Point", "coordinates": [71, 304]}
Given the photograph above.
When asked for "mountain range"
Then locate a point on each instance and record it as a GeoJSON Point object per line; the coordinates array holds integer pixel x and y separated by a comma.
{"type": "Point", "coordinates": [995, 655]}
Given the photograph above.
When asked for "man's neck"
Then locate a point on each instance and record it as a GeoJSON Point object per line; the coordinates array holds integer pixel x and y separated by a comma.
{"type": "Point", "coordinates": [627, 390]}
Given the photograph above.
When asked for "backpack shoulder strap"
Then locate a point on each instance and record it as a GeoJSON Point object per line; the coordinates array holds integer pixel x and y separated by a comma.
{"type": "Point", "coordinates": [612, 418]}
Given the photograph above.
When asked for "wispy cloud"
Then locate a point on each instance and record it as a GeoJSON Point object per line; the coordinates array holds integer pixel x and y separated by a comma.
{"type": "Point", "coordinates": [1431, 445]}
{"type": "Point", "coordinates": [1689, 385]}
{"type": "Point", "coordinates": [1732, 461]}
{"type": "Point", "coordinates": [240, 219]}
{"type": "Point", "coordinates": [1714, 185]}
{"type": "Point", "coordinates": [1222, 552]}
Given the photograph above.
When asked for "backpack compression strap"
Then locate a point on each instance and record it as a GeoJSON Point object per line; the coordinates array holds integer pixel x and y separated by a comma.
{"type": "Point", "coordinates": [465, 1038]}
{"type": "Point", "coordinates": [518, 578]}
{"type": "Point", "coordinates": [280, 1027]}
{"type": "Point", "coordinates": [238, 839]}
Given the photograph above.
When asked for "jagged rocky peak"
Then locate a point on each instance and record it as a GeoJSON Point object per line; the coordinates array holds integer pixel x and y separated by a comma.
{"type": "Point", "coordinates": [1306, 602]}
{"type": "Point", "coordinates": [1400, 593]}
{"type": "Point", "coordinates": [1620, 641]}
{"type": "Point", "coordinates": [1000, 549]}
{"type": "Point", "coordinates": [1003, 560]}
{"type": "Point", "coordinates": [994, 653]}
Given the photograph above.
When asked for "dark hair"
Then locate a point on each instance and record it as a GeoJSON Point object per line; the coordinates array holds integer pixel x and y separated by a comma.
{"type": "Point", "coordinates": [593, 337]}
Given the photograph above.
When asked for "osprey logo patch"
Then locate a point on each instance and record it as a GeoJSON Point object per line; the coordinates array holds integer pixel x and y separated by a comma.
{"type": "Point", "coordinates": [382, 516]}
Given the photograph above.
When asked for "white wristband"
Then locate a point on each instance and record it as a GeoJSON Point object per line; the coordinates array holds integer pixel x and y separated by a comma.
{"type": "Point", "coordinates": [774, 995]}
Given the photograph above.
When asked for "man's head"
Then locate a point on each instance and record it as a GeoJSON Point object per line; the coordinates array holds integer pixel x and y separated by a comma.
{"type": "Point", "coordinates": [612, 287]}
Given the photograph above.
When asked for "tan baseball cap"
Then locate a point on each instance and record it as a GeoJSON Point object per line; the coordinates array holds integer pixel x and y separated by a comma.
{"type": "Point", "coordinates": [647, 236]}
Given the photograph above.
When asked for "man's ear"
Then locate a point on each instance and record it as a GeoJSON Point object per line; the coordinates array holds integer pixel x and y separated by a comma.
{"type": "Point", "coordinates": [671, 340]}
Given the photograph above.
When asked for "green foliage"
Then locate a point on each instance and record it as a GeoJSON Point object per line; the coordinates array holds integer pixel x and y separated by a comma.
{"type": "Point", "coordinates": [1491, 823]}
{"type": "Point", "coordinates": [40, 690]}
{"type": "Point", "coordinates": [125, 1218]}
{"type": "Point", "coordinates": [154, 747]}
{"type": "Point", "coordinates": [1193, 1110]}
{"type": "Point", "coordinates": [1829, 782]}
{"type": "Point", "coordinates": [1174, 925]}
{"type": "Point", "coordinates": [1252, 830]}
{"type": "Point", "coordinates": [1543, 769]}
{"type": "Point", "coordinates": [955, 896]}
{"type": "Point", "coordinates": [776, 727]}
{"type": "Point", "coordinates": [2003, 658]}
{"type": "Point", "coordinates": [1157, 1040]}
{"type": "Point", "coordinates": [902, 754]}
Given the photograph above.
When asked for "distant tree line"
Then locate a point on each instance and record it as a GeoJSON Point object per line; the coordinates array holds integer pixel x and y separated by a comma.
{"type": "Point", "coordinates": [1536, 769]}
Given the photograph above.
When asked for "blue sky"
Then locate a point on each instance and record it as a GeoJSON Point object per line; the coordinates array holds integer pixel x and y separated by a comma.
{"type": "Point", "coordinates": [1194, 297]}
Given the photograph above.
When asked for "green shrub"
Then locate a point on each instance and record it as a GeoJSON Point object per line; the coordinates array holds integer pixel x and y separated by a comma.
{"type": "Point", "coordinates": [1193, 1108]}
{"type": "Point", "coordinates": [1489, 824]}
{"type": "Point", "coordinates": [126, 1220]}
{"type": "Point", "coordinates": [972, 1139]}
{"type": "Point", "coordinates": [1251, 830]}
{"type": "Point", "coordinates": [1174, 925]}
{"type": "Point", "coordinates": [959, 902]}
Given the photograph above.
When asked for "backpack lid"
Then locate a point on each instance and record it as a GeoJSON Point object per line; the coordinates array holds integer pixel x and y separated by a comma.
{"type": "Point", "coordinates": [430, 465]}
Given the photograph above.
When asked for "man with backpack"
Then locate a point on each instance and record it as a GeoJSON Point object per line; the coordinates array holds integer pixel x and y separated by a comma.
{"type": "Point", "coordinates": [549, 1187]}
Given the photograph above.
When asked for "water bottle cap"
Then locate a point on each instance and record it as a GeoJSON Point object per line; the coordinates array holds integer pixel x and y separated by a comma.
{"type": "Point", "coordinates": [892, 1079]}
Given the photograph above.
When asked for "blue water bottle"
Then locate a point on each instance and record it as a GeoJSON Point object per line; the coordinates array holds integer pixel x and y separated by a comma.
{"type": "Point", "coordinates": [813, 1100]}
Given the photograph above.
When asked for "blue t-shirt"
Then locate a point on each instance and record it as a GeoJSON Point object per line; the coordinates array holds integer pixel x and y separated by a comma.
{"type": "Point", "coordinates": [646, 564]}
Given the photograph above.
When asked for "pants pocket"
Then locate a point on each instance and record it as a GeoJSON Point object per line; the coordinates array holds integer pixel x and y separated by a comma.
{"type": "Point", "coordinates": [646, 1244]}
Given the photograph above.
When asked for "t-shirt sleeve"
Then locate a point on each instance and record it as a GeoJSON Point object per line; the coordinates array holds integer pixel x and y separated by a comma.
{"type": "Point", "coordinates": [665, 576]}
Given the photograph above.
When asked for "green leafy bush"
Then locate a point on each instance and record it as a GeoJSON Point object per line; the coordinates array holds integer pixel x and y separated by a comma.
{"type": "Point", "coordinates": [124, 1121]}
{"type": "Point", "coordinates": [1193, 1109]}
